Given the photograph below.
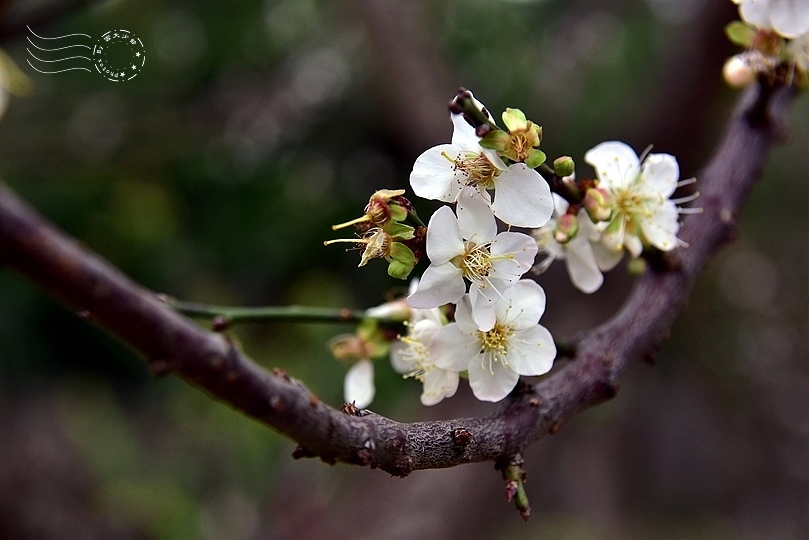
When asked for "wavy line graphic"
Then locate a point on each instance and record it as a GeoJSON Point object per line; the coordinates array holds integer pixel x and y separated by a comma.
{"type": "Point", "coordinates": [58, 37]}
{"type": "Point", "coordinates": [58, 48]}
{"type": "Point", "coordinates": [54, 55]}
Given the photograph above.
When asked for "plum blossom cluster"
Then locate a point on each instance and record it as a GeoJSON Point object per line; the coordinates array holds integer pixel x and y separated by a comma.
{"type": "Point", "coordinates": [473, 313]}
{"type": "Point", "coordinates": [627, 208]}
{"type": "Point", "coordinates": [775, 35]}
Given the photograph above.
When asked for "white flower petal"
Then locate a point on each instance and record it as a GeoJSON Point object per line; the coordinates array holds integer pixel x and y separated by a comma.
{"type": "Point", "coordinates": [482, 310]}
{"type": "Point", "coordinates": [582, 266]}
{"type": "Point", "coordinates": [439, 384]}
{"type": "Point", "coordinates": [606, 257]}
{"type": "Point", "coordinates": [532, 351]}
{"type": "Point", "coordinates": [588, 229]}
{"type": "Point", "coordinates": [660, 230]}
{"type": "Point", "coordinates": [522, 305]}
{"type": "Point", "coordinates": [463, 134]}
{"type": "Point", "coordinates": [616, 164]}
{"type": "Point", "coordinates": [453, 349]}
{"type": "Point", "coordinates": [790, 18]}
{"type": "Point", "coordinates": [463, 315]}
{"type": "Point", "coordinates": [440, 284]}
{"type": "Point", "coordinates": [491, 380]}
{"type": "Point", "coordinates": [613, 235]}
{"type": "Point", "coordinates": [493, 289]}
{"type": "Point", "coordinates": [521, 247]}
{"type": "Point", "coordinates": [756, 12]}
{"type": "Point", "coordinates": [399, 359]}
{"type": "Point", "coordinates": [425, 329]}
{"type": "Point", "coordinates": [433, 175]}
{"type": "Point", "coordinates": [475, 219]}
{"type": "Point", "coordinates": [358, 386]}
{"type": "Point", "coordinates": [633, 245]}
{"type": "Point", "coordinates": [522, 197]}
{"type": "Point", "coordinates": [443, 236]}
{"type": "Point", "coordinates": [661, 173]}
{"type": "Point", "coordinates": [433, 314]}
{"type": "Point", "coordinates": [560, 205]}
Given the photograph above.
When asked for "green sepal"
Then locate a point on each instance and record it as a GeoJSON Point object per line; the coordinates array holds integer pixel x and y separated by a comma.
{"type": "Point", "coordinates": [514, 119]}
{"type": "Point", "coordinates": [397, 213]}
{"type": "Point", "coordinates": [399, 231]}
{"type": "Point", "coordinates": [538, 130]}
{"type": "Point", "coordinates": [414, 217]}
{"type": "Point", "coordinates": [495, 140]}
{"type": "Point", "coordinates": [535, 158]}
{"type": "Point", "coordinates": [740, 33]}
{"type": "Point", "coordinates": [402, 261]}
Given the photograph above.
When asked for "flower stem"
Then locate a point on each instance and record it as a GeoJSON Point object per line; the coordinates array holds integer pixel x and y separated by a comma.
{"type": "Point", "coordinates": [224, 316]}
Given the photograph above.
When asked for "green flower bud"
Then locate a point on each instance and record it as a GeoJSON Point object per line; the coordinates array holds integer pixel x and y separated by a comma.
{"type": "Point", "coordinates": [402, 261]}
{"type": "Point", "coordinates": [563, 166]}
{"type": "Point", "coordinates": [566, 228]}
{"type": "Point", "coordinates": [636, 267]}
{"type": "Point", "coordinates": [598, 202]}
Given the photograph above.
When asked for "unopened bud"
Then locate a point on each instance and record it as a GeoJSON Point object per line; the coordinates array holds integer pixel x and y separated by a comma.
{"type": "Point", "coordinates": [598, 203]}
{"type": "Point", "coordinates": [563, 166]}
{"type": "Point", "coordinates": [636, 267]}
{"type": "Point", "coordinates": [737, 72]}
{"type": "Point", "coordinates": [566, 228]}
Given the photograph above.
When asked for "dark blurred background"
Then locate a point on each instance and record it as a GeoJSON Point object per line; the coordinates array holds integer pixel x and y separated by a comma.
{"type": "Point", "coordinates": [215, 175]}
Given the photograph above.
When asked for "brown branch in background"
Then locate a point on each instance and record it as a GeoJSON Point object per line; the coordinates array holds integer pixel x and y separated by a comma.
{"type": "Point", "coordinates": [173, 344]}
{"type": "Point", "coordinates": [412, 85]}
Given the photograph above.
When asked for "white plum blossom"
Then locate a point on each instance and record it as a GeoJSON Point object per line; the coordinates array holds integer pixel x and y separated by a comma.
{"type": "Point", "coordinates": [642, 211]}
{"type": "Point", "coordinates": [582, 266]}
{"type": "Point", "coordinates": [495, 359]}
{"type": "Point", "coordinates": [789, 18]}
{"type": "Point", "coordinates": [412, 356]}
{"type": "Point", "coordinates": [469, 247]}
{"type": "Point", "coordinates": [521, 196]}
{"type": "Point", "coordinates": [358, 385]}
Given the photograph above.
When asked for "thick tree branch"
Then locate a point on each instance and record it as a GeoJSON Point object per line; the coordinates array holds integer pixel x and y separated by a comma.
{"type": "Point", "coordinates": [173, 344]}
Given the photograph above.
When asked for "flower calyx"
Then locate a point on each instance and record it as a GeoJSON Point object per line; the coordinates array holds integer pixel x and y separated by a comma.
{"type": "Point", "coordinates": [388, 229]}
{"type": "Point", "coordinates": [369, 341]}
{"type": "Point", "coordinates": [520, 143]}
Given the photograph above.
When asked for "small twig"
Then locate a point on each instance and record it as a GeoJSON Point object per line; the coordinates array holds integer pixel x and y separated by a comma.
{"type": "Point", "coordinates": [514, 475]}
{"type": "Point", "coordinates": [230, 315]}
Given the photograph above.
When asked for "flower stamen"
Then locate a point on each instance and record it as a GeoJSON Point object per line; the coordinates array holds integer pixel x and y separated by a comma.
{"type": "Point", "coordinates": [477, 169]}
